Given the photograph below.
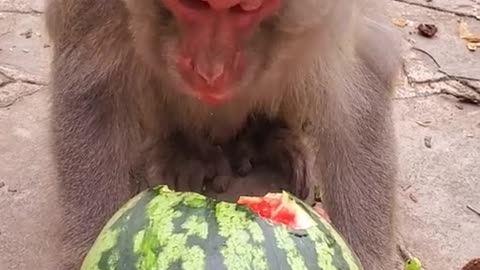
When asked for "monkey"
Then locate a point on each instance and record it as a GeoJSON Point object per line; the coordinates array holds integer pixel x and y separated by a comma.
{"type": "Point", "coordinates": [202, 90]}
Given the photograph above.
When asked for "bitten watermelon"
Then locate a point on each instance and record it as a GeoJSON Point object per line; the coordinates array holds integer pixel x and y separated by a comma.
{"type": "Point", "coordinates": [162, 229]}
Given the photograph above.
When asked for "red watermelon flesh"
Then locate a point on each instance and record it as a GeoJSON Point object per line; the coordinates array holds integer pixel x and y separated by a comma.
{"type": "Point", "coordinates": [278, 208]}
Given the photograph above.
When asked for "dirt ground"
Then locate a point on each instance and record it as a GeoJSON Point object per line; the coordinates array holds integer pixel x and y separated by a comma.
{"type": "Point", "coordinates": [438, 136]}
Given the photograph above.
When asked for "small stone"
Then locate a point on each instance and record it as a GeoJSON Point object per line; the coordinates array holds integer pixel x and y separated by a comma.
{"type": "Point", "coordinates": [12, 190]}
{"type": "Point", "coordinates": [428, 141]}
{"type": "Point", "coordinates": [405, 188]}
{"type": "Point", "coordinates": [424, 123]}
{"type": "Point", "coordinates": [25, 50]}
{"type": "Point", "coordinates": [427, 30]}
{"type": "Point", "coordinates": [2, 184]}
{"type": "Point", "coordinates": [46, 45]}
{"type": "Point", "coordinates": [460, 107]}
{"type": "Point", "coordinates": [27, 34]}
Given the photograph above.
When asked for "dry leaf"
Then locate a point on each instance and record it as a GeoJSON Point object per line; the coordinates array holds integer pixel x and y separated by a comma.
{"type": "Point", "coordinates": [465, 33]}
{"type": "Point", "coordinates": [463, 30]}
{"type": "Point", "coordinates": [473, 46]}
{"type": "Point", "coordinates": [400, 22]}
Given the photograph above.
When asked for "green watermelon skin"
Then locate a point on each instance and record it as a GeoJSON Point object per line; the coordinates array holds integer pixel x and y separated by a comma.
{"type": "Point", "coordinates": [160, 229]}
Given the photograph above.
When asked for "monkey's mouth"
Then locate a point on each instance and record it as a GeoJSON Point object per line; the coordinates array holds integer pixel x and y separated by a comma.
{"type": "Point", "coordinates": [210, 81]}
{"type": "Point", "coordinates": [211, 95]}
{"type": "Point", "coordinates": [214, 98]}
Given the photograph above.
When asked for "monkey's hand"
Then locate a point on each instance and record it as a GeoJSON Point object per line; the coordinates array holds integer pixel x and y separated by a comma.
{"type": "Point", "coordinates": [285, 150]}
{"type": "Point", "coordinates": [188, 166]}
{"type": "Point", "coordinates": [241, 153]}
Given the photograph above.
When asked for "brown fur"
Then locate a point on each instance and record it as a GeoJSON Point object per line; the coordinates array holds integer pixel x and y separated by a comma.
{"type": "Point", "coordinates": [321, 112]}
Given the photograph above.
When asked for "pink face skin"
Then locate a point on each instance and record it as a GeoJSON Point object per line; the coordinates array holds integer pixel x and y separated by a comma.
{"type": "Point", "coordinates": [210, 59]}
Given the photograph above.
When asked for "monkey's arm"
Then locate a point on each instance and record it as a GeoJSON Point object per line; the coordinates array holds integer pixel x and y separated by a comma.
{"type": "Point", "coordinates": [92, 145]}
{"type": "Point", "coordinates": [356, 159]}
{"type": "Point", "coordinates": [358, 183]}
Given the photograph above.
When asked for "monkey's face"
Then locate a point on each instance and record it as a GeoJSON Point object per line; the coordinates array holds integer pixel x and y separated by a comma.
{"type": "Point", "coordinates": [215, 49]}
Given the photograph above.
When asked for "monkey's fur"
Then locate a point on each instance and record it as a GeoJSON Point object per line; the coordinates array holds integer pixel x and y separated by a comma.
{"type": "Point", "coordinates": [317, 89]}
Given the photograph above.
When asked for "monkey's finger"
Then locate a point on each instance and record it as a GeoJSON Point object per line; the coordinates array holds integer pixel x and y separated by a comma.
{"type": "Point", "coordinates": [169, 175]}
{"type": "Point", "coordinates": [299, 179]}
{"type": "Point", "coordinates": [221, 183]}
{"type": "Point", "coordinates": [223, 166]}
{"type": "Point", "coordinates": [192, 176]}
{"type": "Point", "coordinates": [294, 164]}
{"type": "Point", "coordinates": [242, 161]}
{"type": "Point", "coordinates": [243, 167]}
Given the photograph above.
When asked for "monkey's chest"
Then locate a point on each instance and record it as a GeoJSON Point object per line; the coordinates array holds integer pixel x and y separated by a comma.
{"type": "Point", "coordinates": [219, 125]}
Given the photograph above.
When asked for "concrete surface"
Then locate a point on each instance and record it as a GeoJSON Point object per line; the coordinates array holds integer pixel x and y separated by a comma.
{"type": "Point", "coordinates": [439, 136]}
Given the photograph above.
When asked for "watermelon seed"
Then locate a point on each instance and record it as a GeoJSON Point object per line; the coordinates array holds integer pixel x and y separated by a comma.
{"type": "Point", "coordinates": [299, 234]}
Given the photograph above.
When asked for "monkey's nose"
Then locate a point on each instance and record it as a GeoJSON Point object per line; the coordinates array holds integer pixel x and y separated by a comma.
{"type": "Point", "coordinates": [210, 73]}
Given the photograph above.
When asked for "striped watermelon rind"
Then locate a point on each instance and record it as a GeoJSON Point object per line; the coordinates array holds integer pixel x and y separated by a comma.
{"type": "Point", "coordinates": [163, 229]}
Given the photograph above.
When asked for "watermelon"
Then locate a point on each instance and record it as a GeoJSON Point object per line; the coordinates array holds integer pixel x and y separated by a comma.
{"type": "Point", "coordinates": [161, 229]}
